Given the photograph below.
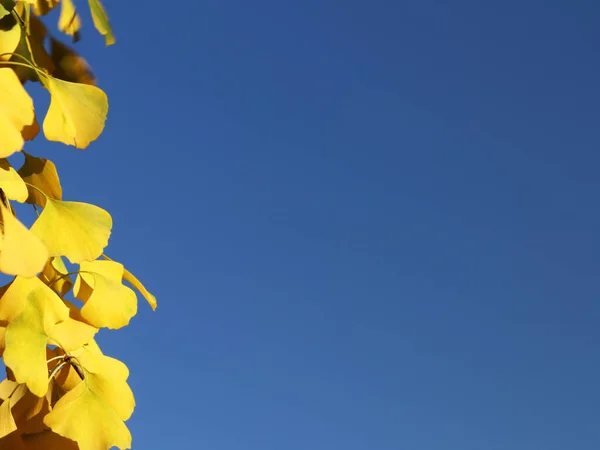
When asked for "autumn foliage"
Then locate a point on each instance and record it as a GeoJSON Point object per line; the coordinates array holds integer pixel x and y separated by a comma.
{"type": "Point", "coordinates": [61, 391]}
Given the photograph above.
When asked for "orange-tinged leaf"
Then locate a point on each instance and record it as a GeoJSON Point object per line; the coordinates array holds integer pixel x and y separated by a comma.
{"type": "Point", "coordinates": [54, 274]}
{"type": "Point", "coordinates": [12, 442]}
{"type": "Point", "coordinates": [16, 112]}
{"type": "Point", "coordinates": [42, 174]}
{"type": "Point", "coordinates": [11, 183]}
{"type": "Point", "coordinates": [21, 251]}
{"type": "Point", "coordinates": [77, 112]}
{"type": "Point", "coordinates": [69, 65]}
{"type": "Point", "coordinates": [130, 278]}
{"type": "Point", "coordinates": [107, 302]}
{"type": "Point", "coordinates": [29, 132]}
{"type": "Point", "coordinates": [78, 231]}
{"type": "Point", "coordinates": [47, 440]}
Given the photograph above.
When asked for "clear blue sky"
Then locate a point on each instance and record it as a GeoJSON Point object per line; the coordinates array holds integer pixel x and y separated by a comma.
{"type": "Point", "coordinates": [369, 225]}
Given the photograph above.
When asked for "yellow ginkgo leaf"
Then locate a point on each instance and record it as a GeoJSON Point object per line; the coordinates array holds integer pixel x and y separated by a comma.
{"type": "Point", "coordinates": [21, 251]}
{"type": "Point", "coordinates": [7, 421]}
{"type": "Point", "coordinates": [83, 416]}
{"type": "Point", "coordinates": [107, 302]}
{"type": "Point", "coordinates": [31, 48]}
{"type": "Point", "coordinates": [107, 377]}
{"type": "Point", "coordinates": [43, 7]}
{"type": "Point", "coordinates": [101, 22]}
{"type": "Point", "coordinates": [10, 36]}
{"type": "Point", "coordinates": [41, 174]}
{"type": "Point", "coordinates": [130, 278]}
{"type": "Point", "coordinates": [14, 296]}
{"type": "Point", "coordinates": [11, 183]}
{"type": "Point", "coordinates": [77, 112]}
{"type": "Point", "coordinates": [26, 338]}
{"type": "Point", "coordinates": [69, 21]}
{"type": "Point", "coordinates": [16, 112]}
{"type": "Point", "coordinates": [54, 274]}
{"type": "Point", "coordinates": [92, 412]}
{"type": "Point", "coordinates": [78, 231]}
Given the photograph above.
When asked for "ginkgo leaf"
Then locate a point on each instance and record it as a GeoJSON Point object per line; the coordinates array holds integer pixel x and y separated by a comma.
{"type": "Point", "coordinates": [107, 302]}
{"type": "Point", "coordinates": [101, 22]}
{"type": "Point", "coordinates": [83, 416]}
{"type": "Point", "coordinates": [55, 275]}
{"type": "Point", "coordinates": [11, 183]}
{"type": "Point", "coordinates": [44, 319]}
{"type": "Point", "coordinates": [28, 410]}
{"type": "Point", "coordinates": [43, 7]}
{"type": "Point", "coordinates": [21, 251]}
{"type": "Point", "coordinates": [10, 35]}
{"type": "Point", "coordinates": [69, 21]}
{"type": "Point", "coordinates": [3, 11]}
{"type": "Point", "coordinates": [16, 111]}
{"type": "Point", "coordinates": [107, 377]}
{"type": "Point", "coordinates": [14, 296]}
{"type": "Point", "coordinates": [7, 422]}
{"type": "Point", "coordinates": [41, 174]}
{"type": "Point", "coordinates": [77, 112]}
{"type": "Point", "coordinates": [69, 65]}
{"type": "Point", "coordinates": [31, 48]}
{"type": "Point", "coordinates": [78, 231]}
{"type": "Point", "coordinates": [92, 413]}
{"type": "Point", "coordinates": [130, 278]}
{"type": "Point", "coordinates": [26, 338]}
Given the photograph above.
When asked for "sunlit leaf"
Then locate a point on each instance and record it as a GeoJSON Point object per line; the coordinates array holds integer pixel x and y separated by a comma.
{"type": "Point", "coordinates": [69, 21]}
{"type": "Point", "coordinates": [130, 278]}
{"type": "Point", "coordinates": [43, 7]}
{"type": "Point", "coordinates": [77, 112]}
{"type": "Point", "coordinates": [92, 413]}
{"type": "Point", "coordinates": [101, 22]}
{"type": "Point", "coordinates": [21, 251]}
{"type": "Point", "coordinates": [41, 173]}
{"type": "Point", "coordinates": [78, 231]}
{"type": "Point", "coordinates": [31, 48]}
{"type": "Point", "coordinates": [10, 35]}
{"type": "Point", "coordinates": [107, 302]}
{"type": "Point", "coordinates": [16, 112]}
{"type": "Point", "coordinates": [26, 338]}
{"type": "Point", "coordinates": [11, 183]}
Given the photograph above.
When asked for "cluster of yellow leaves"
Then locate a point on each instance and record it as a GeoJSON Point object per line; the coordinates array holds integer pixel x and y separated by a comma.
{"type": "Point", "coordinates": [61, 391]}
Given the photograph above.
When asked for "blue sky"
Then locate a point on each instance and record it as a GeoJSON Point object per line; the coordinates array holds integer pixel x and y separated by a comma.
{"type": "Point", "coordinates": [369, 226]}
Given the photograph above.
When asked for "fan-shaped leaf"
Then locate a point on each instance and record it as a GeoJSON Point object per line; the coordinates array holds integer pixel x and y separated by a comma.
{"type": "Point", "coordinates": [78, 231]}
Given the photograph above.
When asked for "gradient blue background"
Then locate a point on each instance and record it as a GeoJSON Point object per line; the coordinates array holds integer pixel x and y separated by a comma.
{"type": "Point", "coordinates": [369, 225]}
